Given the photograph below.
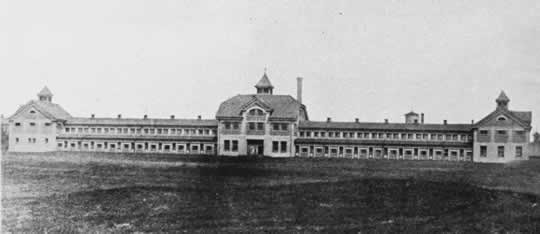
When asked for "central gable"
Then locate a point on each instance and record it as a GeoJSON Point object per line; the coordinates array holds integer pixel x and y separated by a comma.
{"type": "Point", "coordinates": [502, 118]}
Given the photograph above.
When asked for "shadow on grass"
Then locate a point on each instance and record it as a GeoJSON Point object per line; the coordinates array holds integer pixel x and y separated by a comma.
{"type": "Point", "coordinates": [360, 205]}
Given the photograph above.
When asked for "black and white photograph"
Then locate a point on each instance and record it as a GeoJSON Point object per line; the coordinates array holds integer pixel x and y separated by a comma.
{"type": "Point", "coordinates": [214, 116]}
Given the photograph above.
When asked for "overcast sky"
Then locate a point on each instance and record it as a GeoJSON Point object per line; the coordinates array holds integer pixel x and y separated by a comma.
{"type": "Point", "coordinates": [367, 59]}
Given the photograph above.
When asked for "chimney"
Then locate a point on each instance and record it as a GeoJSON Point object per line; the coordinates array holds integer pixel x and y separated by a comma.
{"type": "Point", "coordinates": [356, 120]}
{"type": "Point", "coordinates": [119, 116]}
{"type": "Point", "coordinates": [385, 121]}
{"type": "Point", "coordinates": [422, 118]}
{"type": "Point", "coordinates": [299, 89]}
{"type": "Point", "coordinates": [472, 121]}
{"type": "Point", "coordinates": [145, 117]}
{"type": "Point", "coordinates": [92, 116]}
{"type": "Point", "coordinates": [172, 116]}
{"type": "Point", "coordinates": [328, 120]}
{"type": "Point", "coordinates": [445, 122]}
{"type": "Point", "coordinates": [199, 117]}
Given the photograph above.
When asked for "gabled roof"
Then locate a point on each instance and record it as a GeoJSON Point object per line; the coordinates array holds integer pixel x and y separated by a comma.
{"type": "Point", "coordinates": [49, 109]}
{"type": "Point", "coordinates": [524, 118]}
{"type": "Point", "coordinates": [138, 122]}
{"type": "Point", "coordinates": [264, 82]}
{"type": "Point", "coordinates": [502, 97]}
{"type": "Point", "coordinates": [282, 106]}
{"type": "Point", "coordinates": [385, 126]}
{"type": "Point", "coordinates": [45, 92]}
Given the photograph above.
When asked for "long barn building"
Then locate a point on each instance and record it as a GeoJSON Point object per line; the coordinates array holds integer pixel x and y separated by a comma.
{"type": "Point", "coordinates": [273, 125]}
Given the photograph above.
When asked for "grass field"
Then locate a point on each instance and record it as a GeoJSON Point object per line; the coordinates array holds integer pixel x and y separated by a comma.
{"type": "Point", "coordinates": [64, 192]}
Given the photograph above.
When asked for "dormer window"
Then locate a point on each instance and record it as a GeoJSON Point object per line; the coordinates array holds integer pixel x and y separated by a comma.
{"type": "Point", "coordinates": [256, 112]}
{"type": "Point", "coordinates": [32, 112]}
{"type": "Point", "coordinates": [501, 118]}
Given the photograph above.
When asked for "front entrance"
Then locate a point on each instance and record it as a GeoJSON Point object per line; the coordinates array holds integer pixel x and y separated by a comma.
{"type": "Point", "coordinates": [255, 147]}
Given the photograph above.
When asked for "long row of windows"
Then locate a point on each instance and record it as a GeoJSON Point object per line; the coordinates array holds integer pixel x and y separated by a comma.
{"type": "Point", "coordinates": [141, 131]}
{"type": "Point", "coordinates": [139, 146]}
{"type": "Point", "coordinates": [381, 135]}
{"type": "Point", "coordinates": [382, 152]}
{"type": "Point", "coordinates": [501, 151]}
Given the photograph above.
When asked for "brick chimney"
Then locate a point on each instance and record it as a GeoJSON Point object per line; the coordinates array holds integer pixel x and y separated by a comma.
{"type": "Point", "coordinates": [145, 117]}
{"type": "Point", "coordinates": [199, 117]}
{"type": "Point", "coordinates": [328, 120]}
{"type": "Point", "coordinates": [299, 89]}
{"type": "Point", "coordinates": [356, 120]}
{"type": "Point", "coordinates": [445, 122]}
{"type": "Point", "coordinates": [172, 116]}
{"type": "Point", "coordinates": [119, 116]}
{"type": "Point", "coordinates": [385, 121]}
{"type": "Point", "coordinates": [422, 118]}
{"type": "Point", "coordinates": [92, 116]}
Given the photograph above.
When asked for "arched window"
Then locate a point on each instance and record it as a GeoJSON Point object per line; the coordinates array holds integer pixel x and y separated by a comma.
{"type": "Point", "coordinates": [256, 112]}
{"type": "Point", "coordinates": [501, 118]}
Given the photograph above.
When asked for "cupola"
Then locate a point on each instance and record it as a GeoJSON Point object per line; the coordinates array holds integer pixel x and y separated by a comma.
{"type": "Point", "coordinates": [45, 95]}
{"type": "Point", "coordinates": [264, 86]}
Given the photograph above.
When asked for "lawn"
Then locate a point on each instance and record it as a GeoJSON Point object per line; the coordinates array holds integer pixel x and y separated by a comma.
{"type": "Point", "coordinates": [64, 192]}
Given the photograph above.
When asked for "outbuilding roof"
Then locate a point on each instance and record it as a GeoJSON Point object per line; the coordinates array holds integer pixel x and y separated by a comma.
{"type": "Point", "coordinates": [385, 126]}
{"type": "Point", "coordinates": [146, 122]}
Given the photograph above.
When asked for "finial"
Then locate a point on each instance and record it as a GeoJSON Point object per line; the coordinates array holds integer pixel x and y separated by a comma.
{"type": "Point", "coordinates": [265, 68]}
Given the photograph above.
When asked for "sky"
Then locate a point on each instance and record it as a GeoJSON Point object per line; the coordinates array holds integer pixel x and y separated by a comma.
{"type": "Point", "coordinates": [371, 60]}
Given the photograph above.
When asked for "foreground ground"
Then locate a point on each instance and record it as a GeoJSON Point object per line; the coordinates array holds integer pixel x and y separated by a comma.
{"type": "Point", "coordinates": [156, 193]}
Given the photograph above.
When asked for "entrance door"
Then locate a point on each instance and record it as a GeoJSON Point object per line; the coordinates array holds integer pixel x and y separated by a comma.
{"type": "Point", "coordinates": [255, 147]}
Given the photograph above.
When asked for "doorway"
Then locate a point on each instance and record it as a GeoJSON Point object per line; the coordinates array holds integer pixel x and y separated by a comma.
{"type": "Point", "coordinates": [255, 147]}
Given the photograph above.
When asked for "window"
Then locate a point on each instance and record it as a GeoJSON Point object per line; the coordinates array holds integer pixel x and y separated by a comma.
{"type": "Point", "coordinates": [17, 140]}
{"type": "Point", "coordinates": [32, 112]}
{"type": "Point", "coordinates": [275, 127]}
{"type": "Point", "coordinates": [284, 127]}
{"type": "Point", "coordinates": [227, 125]}
{"type": "Point", "coordinates": [500, 151]}
{"type": "Point", "coordinates": [48, 124]}
{"type": "Point", "coordinates": [323, 134]}
{"type": "Point", "coordinates": [260, 126]}
{"type": "Point", "coordinates": [236, 126]}
{"type": "Point", "coordinates": [418, 136]}
{"type": "Point", "coordinates": [501, 118]}
{"type": "Point", "coordinates": [46, 140]}
{"type": "Point", "coordinates": [234, 146]}
{"type": "Point", "coordinates": [93, 130]}
{"type": "Point", "coordinates": [519, 151]}
{"type": "Point", "coordinates": [67, 130]}
{"type": "Point", "coordinates": [283, 146]}
{"type": "Point", "coordinates": [316, 134]}
{"type": "Point", "coordinates": [256, 112]}
{"type": "Point", "coordinates": [227, 145]}
{"type": "Point", "coordinates": [501, 132]}
{"type": "Point", "coordinates": [17, 124]}
{"type": "Point", "coordinates": [484, 132]}
{"type": "Point", "coordinates": [251, 126]}
{"type": "Point", "coordinates": [483, 151]}
{"type": "Point", "coordinates": [275, 146]}
{"type": "Point", "coordinates": [454, 137]}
